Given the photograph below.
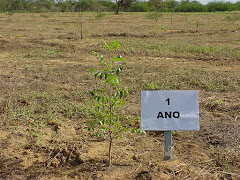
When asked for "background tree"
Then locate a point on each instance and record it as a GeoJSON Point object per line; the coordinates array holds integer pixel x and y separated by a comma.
{"type": "Point", "coordinates": [126, 4]}
{"type": "Point", "coordinates": [3, 5]}
{"type": "Point", "coordinates": [157, 4]}
{"type": "Point", "coordinates": [108, 5]}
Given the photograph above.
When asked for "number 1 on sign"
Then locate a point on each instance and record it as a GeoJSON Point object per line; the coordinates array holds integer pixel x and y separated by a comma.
{"type": "Point", "coordinates": [168, 100]}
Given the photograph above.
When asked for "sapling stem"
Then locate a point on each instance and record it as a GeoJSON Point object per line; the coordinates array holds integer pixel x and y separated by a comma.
{"type": "Point", "coordinates": [110, 132]}
{"type": "Point", "coordinates": [81, 28]}
{"type": "Point", "coordinates": [110, 151]}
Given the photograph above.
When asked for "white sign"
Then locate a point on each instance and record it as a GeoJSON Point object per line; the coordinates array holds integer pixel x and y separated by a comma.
{"type": "Point", "coordinates": [169, 110]}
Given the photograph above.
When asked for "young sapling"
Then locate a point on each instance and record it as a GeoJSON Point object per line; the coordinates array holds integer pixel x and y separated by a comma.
{"type": "Point", "coordinates": [107, 121]}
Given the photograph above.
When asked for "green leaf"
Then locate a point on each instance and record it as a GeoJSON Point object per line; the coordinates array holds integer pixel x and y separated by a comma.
{"type": "Point", "coordinates": [94, 53]}
{"type": "Point", "coordinates": [116, 81]}
{"type": "Point", "coordinates": [98, 98]}
{"type": "Point", "coordinates": [138, 131]}
{"type": "Point", "coordinates": [92, 93]}
{"type": "Point", "coordinates": [121, 94]}
{"type": "Point", "coordinates": [113, 45]}
{"type": "Point", "coordinates": [92, 70]}
{"type": "Point", "coordinates": [105, 76]}
{"type": "Point", "coordinates": [95, 75]}
{"type": "Point", "coordinates": [115, 59]}
{"type": "Point", "coordinates": [113, 80]}
{"type": "Point", "coordinates": [120, 68]}
{"type": "Point", "coordinates": [106, 69]}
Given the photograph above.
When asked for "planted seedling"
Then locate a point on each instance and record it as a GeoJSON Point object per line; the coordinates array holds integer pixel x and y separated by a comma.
{"type": "Point", "coordinates": [9, 14]}
{"type": "Point", "coordinates": [235, 18]}
{"type": "Point", "coordinates": [100, 15]}
{"type": "Point", "coordinates": [19, 36]}
{"type": "Point", "coordinates": [46, 15]}
{"type": "Point", "coordinates": [80, 15]}
{"type": "Point", "coordinates": [154, 15]}
{"type": "Point", "coordinates": [219, 101]}
{"type": "Point", "coordinates": [163, 29]}
{"type": "Point", "coordinates": [108, 122]}
{"type": "Point", "coordinates": [197, 24]}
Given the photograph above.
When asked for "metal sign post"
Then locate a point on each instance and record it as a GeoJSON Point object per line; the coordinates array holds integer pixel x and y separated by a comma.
{"type": "Point", "coordinates": [169, 111]}
{"type": "Point", "coordinates": [168, 144]}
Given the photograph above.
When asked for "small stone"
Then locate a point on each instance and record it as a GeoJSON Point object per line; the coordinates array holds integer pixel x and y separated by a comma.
{"type": "Point", "coordinates": [52, 122]}
{"type": "Point", "coordinates": [55, 163]}
{"type": "Point", "coordinates": [135, 157]}
{"type": "Point", "coordinates": [79, 159]}
{"type": "Point", "coordinates": [25, 153]}
{"type": "Point", "coordinates": [143, 175]}
{"type": "Point", "coordinates": [63, 160]}
{"type": "Point", "coordinates": [36, 156]}
{"type": "Point", "coordinates": [164, 176]}
{"type": "Point", "coordinates": [57, 150]}
{"type": "Point", "coordinates": [66, 152]}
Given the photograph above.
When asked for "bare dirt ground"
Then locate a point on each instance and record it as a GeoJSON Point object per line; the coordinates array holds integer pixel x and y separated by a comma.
{"type": "Point", "coordinates": [45, 104]}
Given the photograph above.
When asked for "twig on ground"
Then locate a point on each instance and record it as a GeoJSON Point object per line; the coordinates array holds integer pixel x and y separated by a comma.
{"type": "Point", "coordinates": [52, 159]}
{"type": "Point", "coordinates": [233, 174]}
{"type": "Point", "coordinates": [137, 168]}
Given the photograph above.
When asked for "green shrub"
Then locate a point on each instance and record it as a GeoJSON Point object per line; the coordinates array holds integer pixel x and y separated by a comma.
{"type": "Point", "coordinates": [100, 15]}
{"type": "Point", "coordinates": [233, 18]}
{"type": "Point", "coordinates": [220, 6]}
{"type": "Point", "coordinates": [187, 6]}
{"type": "Point", "coordinates": [154, 15]}
{"type": "Point", "coordinates": [140, 7]}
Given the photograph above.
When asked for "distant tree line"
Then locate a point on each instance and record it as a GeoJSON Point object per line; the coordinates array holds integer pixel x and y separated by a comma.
{"type": "Point", "coordinates": [117, 5]}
